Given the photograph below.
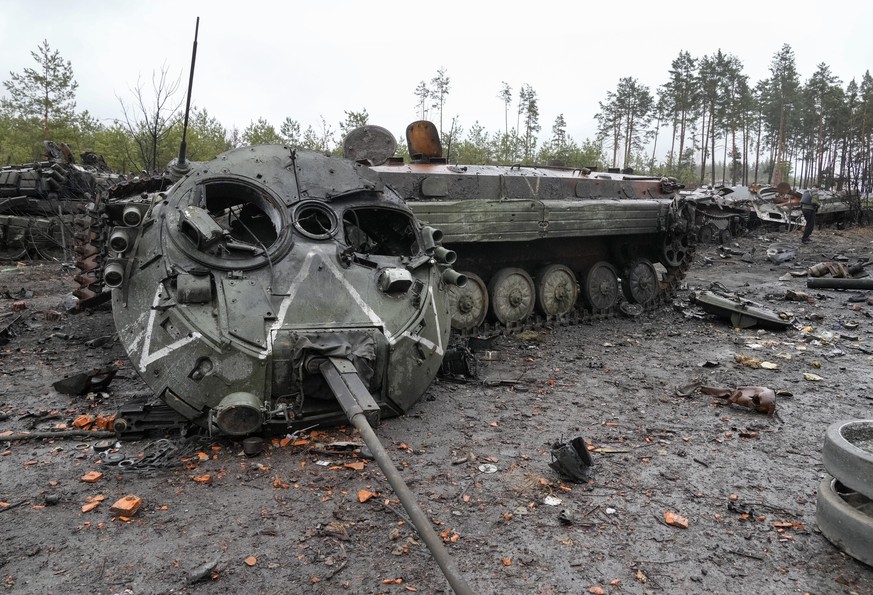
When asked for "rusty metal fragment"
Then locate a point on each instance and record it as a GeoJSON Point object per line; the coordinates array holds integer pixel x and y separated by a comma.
{"type": "Point", "coordinates": [572, 460]}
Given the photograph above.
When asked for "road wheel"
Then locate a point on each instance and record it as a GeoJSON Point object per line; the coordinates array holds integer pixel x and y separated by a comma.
{"type": "Point", "coordinates": [468, 304]}
{"type": "Point", "coordinates": [640, 282]}
{"type": "Point", "coordinates": [707, 233]}
{"type": "Point", "coordinates": [601, 286]}
{"type": "Point", "coordinates": [676, 250]}
{"type": "Point", "coordinates": [12, 253]}
{"type": "Point", "coordinates": [556, 290]}
{"type": "Point", "coordinates": [512, 295]}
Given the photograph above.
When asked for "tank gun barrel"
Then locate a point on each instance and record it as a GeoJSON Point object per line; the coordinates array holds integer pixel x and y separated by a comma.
{"type": "Point", "coordinates": [360, 408]}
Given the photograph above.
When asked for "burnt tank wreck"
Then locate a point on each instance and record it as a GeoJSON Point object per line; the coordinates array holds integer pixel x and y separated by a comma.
{"type": "Point", "coordinates": [42, 202]}
{"type": "Point", "coordinates": [272, 288]}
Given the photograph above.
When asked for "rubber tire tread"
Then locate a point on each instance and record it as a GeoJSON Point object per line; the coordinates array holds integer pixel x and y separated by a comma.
{"type": "Point", "coordinates": [844, 526]}
{"type": "Point", "coordinates": [852, 466]}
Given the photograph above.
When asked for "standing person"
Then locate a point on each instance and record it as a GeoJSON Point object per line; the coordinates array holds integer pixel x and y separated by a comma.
{"type": "Point", "coordinates": [809, 204]}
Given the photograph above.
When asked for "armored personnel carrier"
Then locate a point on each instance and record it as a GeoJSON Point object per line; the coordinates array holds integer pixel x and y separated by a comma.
{"type": "Point", "coordinates": [539, 243]}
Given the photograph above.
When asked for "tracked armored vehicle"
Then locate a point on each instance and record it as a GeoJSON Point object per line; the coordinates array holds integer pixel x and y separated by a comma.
{"type": "Point", "coordinates": [539, 243]}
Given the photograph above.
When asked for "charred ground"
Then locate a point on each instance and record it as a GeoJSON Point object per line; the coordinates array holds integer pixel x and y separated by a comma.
{"type": "Point", "coordinates": [292, 520]}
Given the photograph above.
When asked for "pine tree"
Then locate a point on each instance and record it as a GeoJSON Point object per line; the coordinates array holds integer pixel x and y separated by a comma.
{"type": "Point", "coordinates": [47, 92]}
{"type": "Point", "coordinates": [440, 86]}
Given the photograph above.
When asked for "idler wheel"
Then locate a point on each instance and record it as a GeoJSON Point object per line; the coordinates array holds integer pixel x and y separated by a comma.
{"type": "Point", "coordinates": [512, 295]}
{"type": "Point", "coordinates": [640, 282]}
{"type": "Point", "coordinates": [557, 290]}
{"type": "Point", "coordinates": [601, 286]}
{"type": "Point", "coordinates": [468, 304]}
{"type": "Point", "coordinates": [676, 250]}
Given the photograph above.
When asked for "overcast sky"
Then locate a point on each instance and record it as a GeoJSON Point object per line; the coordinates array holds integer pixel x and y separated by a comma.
{"type": "Point", "coordinates": [310, 59]}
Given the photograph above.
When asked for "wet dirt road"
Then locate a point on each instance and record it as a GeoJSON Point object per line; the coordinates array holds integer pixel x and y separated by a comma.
{"type": "Point", "coordinates": [311, 515]}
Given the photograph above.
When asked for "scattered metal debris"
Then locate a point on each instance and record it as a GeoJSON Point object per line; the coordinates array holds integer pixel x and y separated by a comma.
{"type": "Point", "coordinates": [742, 313]}
{"type": "Point", "coordinates": [839, 283]}
{"type": "Point", "coordinates": [94, 380]}
{"type": "Point", "coordinates": [459, 363]}
{"type": "Point", "coordinates": [838, 269]}
{"type": "Point", "coordinates": [779, 253]}
{"type": "Point", "coordinates": [572, 460]}
{"type": "Point", "coordinates": [687, 390]}
{"type": "Point", "coordinates": [797, 296]}
{"type": "Point", "coordinates": [160, 454]}
{"type": "Point", "coordinates": [253, 446]}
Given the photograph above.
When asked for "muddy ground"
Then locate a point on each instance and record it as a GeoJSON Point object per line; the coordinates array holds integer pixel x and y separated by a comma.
{"type": "Point", "coordinates": [476, 454]}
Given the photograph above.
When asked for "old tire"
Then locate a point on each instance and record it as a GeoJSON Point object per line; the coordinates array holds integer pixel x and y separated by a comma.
{"type": "Point", "coordinates": [640, 282]}
{"type": "Point", "coordinates": [557, 290]}
{"type": "Point", "coordinates": [601, 286]}
{"type": "Point", "coordinates": [845, 460]}
{"type": "Point", "coordinates": [512, 295]}
{"type": "Point", "coordinates": [468, 305]}
{"type": "Point", "coordinates": [841, 517]}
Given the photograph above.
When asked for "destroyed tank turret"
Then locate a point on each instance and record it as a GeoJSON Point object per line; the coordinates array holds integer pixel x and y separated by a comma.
{"type": "Point", "coordinates": [266, 285]}
{"type": "Point", "coordinates": [539, 243]}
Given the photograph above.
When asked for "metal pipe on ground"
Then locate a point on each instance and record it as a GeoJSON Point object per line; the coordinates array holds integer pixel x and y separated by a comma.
{"type": "Point", "coordinates": [830, 283]}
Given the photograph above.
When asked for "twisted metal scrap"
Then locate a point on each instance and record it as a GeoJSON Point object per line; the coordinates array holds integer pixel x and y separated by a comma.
{"type": "Point", "coordinates": [160, 454]}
